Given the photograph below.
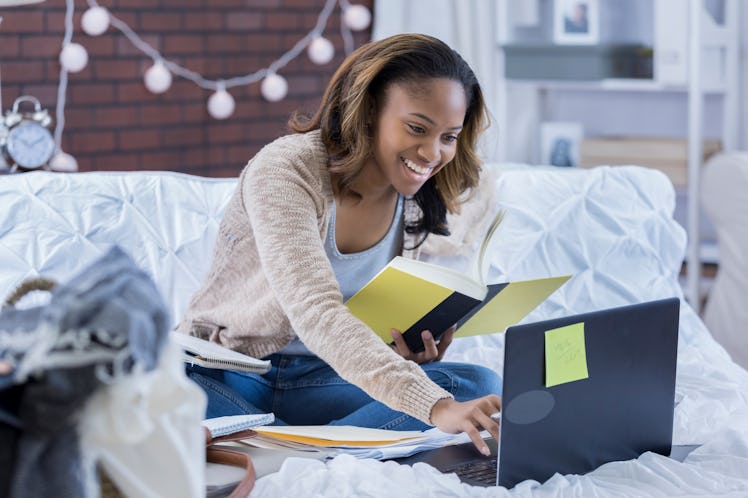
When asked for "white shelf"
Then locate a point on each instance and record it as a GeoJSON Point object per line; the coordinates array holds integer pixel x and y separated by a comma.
{"type": "Point", "coordinates": [613, 84]}
{"type": "Point", "coordinates": [696, 59]}
{"type": "Point", "coordinates": [709, 252]}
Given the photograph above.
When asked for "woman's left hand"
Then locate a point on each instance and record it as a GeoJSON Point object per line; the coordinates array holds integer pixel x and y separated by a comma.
{"type": "Point", "coordinates": [433, 350]}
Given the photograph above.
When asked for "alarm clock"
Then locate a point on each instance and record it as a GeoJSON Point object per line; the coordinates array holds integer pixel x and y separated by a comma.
{"type": "Point", "coordinates": [26, 142]}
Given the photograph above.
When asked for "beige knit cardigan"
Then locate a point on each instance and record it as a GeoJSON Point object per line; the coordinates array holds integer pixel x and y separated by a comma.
{"type": "Point", "coordinates": [270, 276]}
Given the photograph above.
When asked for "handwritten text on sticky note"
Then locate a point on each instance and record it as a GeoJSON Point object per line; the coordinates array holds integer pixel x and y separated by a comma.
{"type": "Point", "coordinates": [565, 355]}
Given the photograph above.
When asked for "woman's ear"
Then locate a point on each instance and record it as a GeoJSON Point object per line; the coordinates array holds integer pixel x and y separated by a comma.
{"type": "Point", "coordinates": [371, 113]}
{"type": "Point", "coordinates": [371, 124]}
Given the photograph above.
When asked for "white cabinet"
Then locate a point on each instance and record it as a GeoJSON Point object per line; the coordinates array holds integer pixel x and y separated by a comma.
{"type": "Point", "coordinates": [693, 93]}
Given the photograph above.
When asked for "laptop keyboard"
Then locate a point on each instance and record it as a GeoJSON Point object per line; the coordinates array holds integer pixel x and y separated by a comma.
{"type": "Point", "coordinates": [479, 471]}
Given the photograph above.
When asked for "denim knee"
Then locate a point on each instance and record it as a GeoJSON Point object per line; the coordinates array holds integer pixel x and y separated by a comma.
{"type": "Point", "coordinates": [487, 381]}
{"type": "Point", "coordinates": [222, 400]}
{"type": "Point", "coordinates": [463, 380]}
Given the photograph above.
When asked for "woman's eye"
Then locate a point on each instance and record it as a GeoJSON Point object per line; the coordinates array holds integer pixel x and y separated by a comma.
{"type": "Point", "coordinates": [416, 129]}
{"type": "Point", "coordinates": [450, 139]}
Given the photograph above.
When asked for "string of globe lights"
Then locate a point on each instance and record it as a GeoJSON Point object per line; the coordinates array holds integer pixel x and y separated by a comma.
{"type": "Point", "coordinates": [158, 78]}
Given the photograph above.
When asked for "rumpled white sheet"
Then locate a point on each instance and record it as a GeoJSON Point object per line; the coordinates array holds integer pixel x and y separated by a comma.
{"type": "Point", "coordinates": [612, 228]}
{"type": "Point", "coordinates": [705, 472]}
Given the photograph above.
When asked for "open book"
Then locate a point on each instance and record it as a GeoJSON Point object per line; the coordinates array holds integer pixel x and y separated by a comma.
{"type": "Point", "coordinates": [413, 296]}
{"type": "Point", "coordinates": [211, 355]}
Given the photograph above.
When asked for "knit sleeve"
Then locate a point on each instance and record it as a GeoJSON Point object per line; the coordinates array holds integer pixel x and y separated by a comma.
{"type": "Point", "coordinates": [283, 192]}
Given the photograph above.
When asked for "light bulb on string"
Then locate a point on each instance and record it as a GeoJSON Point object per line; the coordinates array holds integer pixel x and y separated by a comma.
{"type": "Point", "coordinates": [95, 21]}
{"type": "Point", "coordinates": [73, 57]}
{"type": "Point", "coordinates": [221, 104]}
{"type": "Point", "coordinates": [274, 87]}
{"type": "Point", "coordinates": [63, 163]}
{"type": "Point", "coordinates": [157, 78]}
{"type": "Point", "coordinates": [357, 17]}
{"type": "Point", "coordinates": [321, 50]}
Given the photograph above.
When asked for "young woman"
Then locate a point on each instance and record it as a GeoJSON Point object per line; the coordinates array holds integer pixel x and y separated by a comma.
{"type": "Point", "coordinates": [315, 215]}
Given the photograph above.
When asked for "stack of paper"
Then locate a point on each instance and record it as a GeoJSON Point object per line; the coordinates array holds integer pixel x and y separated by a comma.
{"type": "Point", "coordinates": [331, 440]}
{"type": "Point", "coordinates": [360, 442]}
{"type": "Point", "coordinates": [274, 444]}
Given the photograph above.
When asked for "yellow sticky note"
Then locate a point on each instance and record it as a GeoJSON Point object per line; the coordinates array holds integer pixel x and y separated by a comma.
{"type": "Point", "coordinates": [565, 355]}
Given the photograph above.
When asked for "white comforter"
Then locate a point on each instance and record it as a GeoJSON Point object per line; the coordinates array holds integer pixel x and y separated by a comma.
{"type": "Point", "coordinates": [612, 228]}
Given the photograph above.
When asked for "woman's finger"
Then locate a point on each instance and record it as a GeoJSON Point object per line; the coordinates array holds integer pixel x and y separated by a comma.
{"type": "Point", "coordinates": [430, 350]}
{"type": "Point", "coordinates": [401, 347]}
{"type": "Point", "coordinates": [489, 423]}
{"type": "Point", "coordinates": [445, 341]}
{"type": "Point", "coordinates": [477, 440]}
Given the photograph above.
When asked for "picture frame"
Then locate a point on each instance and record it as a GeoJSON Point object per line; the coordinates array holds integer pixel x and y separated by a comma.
{"type": "Point", "coordinates": [575, 22]}
{"type": "Point", "coordinates": [560, 143]}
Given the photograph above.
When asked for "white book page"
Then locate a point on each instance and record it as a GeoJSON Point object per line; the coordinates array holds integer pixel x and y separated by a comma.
{"type": "Point", "coordinates": [477, 271]}
{"type": "Point", "coordinates": [440, 275]}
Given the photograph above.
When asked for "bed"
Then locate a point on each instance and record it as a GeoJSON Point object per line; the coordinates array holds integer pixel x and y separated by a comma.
{"type": "Point", "coordinates": [611, 227]}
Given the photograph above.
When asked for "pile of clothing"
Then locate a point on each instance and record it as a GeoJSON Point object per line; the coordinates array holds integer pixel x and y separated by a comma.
{"type": "Point", "coordinates": [90, 383]}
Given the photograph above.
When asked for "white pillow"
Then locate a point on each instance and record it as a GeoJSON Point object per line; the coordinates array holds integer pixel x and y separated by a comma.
{"type": "Point", "coordinates": [612, 228]}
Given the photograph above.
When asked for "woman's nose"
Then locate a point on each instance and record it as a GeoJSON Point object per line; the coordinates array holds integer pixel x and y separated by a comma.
{"type": "Point", "coordinates": [429, 151]}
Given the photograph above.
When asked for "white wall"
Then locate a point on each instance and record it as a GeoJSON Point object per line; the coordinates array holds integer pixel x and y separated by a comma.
{"type": "Point", "coordinates": [471, 26]}
{"type": "Point", "coordinates": [646, 112]}
{"type": "Point", "coordinates": [743, 84]}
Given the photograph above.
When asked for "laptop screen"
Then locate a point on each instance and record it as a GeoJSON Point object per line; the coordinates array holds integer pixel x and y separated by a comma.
{"type": "Point", "coordinates": [584, 390]}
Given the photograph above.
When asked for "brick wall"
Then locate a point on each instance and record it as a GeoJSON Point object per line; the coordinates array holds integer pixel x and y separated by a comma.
{"type": "Point", "coordinates": [114, 123]}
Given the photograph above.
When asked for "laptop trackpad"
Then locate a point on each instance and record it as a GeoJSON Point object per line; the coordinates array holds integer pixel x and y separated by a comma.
{"type": "Point", "coordinates": [529, 407]}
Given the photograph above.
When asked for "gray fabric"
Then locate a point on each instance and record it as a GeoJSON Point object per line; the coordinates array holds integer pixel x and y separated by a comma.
{"type": "Point", "coordinates": [95, 328]}
{"type": "Point", "coordinates": [354, 270]}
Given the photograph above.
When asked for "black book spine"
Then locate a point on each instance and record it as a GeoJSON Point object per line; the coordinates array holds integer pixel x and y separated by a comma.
{"type": "Point", "coordinates": [439, 319]}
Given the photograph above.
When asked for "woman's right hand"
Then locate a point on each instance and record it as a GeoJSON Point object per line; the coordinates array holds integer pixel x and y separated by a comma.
{"type": "Point", "coordinates": [471, 417]}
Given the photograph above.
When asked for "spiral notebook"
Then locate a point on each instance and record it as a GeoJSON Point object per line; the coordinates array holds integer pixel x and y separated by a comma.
{"type": "Point", "coordinates": [231, 424]}
{"type": "Point", "coordinates": [211, 355]}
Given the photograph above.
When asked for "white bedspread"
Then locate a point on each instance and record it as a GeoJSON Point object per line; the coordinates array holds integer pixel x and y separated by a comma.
{"type": "Point", "coordinates": [612, 228]}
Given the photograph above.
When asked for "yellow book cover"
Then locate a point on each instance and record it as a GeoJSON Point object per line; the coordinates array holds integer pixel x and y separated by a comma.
{"type": "Point", "coordinates": [413, 296]}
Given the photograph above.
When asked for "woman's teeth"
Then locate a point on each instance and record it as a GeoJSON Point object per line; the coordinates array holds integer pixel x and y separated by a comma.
{"type": "Point", "coordinates": [413, 166]}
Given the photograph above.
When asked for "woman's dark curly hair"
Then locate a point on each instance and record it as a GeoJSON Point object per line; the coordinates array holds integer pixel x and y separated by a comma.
{"type": "Point", "coordinates": [354, 97]}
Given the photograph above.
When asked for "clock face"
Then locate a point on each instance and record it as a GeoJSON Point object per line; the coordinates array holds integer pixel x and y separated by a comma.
{"type": "Point", "coordinates": [30, 145]}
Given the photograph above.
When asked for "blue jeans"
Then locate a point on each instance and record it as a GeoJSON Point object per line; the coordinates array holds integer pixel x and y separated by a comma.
{"type": "Point", "coordinates": [304, 390]}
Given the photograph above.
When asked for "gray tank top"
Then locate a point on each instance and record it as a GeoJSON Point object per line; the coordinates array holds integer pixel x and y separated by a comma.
{"type": "Point", "coordinates": [354, 270]}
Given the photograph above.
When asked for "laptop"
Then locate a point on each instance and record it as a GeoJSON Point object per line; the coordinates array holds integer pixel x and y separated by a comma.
{"type": "Point", "coordinates": [621, 409]}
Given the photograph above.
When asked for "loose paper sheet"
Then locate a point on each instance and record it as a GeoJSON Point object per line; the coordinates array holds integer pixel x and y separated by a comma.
{"type": "Point", "coordinates": [340, 435]}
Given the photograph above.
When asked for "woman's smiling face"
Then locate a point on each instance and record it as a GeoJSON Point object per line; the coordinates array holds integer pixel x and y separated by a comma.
{"type": "Point", "coordinates": [417, 129]}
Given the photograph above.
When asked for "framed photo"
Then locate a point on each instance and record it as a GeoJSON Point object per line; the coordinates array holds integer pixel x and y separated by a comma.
{"type": "Point", "coordinates": [575, 22]}
{"type": "Point", "coordinates": [559, 143]}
